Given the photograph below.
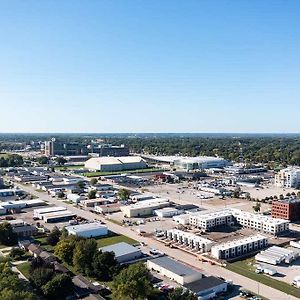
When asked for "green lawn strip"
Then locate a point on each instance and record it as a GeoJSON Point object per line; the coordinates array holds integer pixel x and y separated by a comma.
{"type": "Point", "coordinates": [94, 174]}
{"type": "Point", "coordinates": [242, 268]}
{"type": "Point", "coordinates": [102, 242]}
{"type": "Point", "coordinates": [43, 243]}
{"type": "Point", "coordinates": [24, 269]}
{"type": "Point", "coordinates": [61, 168]}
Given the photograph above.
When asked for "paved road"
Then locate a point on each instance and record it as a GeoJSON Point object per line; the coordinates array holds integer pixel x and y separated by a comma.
{"type": "Point", "coordinates": [189, 259]}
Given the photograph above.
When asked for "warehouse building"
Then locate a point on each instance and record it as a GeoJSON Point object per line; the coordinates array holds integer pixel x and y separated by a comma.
{"type": "Point", "coordinates": [174, 270]}
{"type": "Point", "coordinates": [110, 164]}
{"type": "Point", "coordinates": [10, 194]}
{"type": "Point", "coordinates": [168, 212]}
{"type": "Point", "coordinates": [190, 240]}
{"type": "Point", "coordinates": [59, 216]}
{"type": "Point", "coordinates": [123, 252]}
{"type": "Point", "coordinates": [38, 213]}
{"type": "Point", "coordinates": [107, 208]}
{"type": "Point", "coordinates": [88, 230]}
{"type": "Point", "coordinates": [207, 287]}
{"type": "Point", "coordinates": [200, 163]}
{"type": "Point", "coordinates": [144, 208]}
{"type": "Point", "coordinates": [275, 255]}
{"type": "Point", "coordinates": [237, 248]}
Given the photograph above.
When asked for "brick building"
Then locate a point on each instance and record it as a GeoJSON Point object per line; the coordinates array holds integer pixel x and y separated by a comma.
{"type": "Point", "coordinates": [287, 209]}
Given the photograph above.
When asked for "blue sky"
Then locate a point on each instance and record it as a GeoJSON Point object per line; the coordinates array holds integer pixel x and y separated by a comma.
{"type": "Point", "coordinates": [149, 66]}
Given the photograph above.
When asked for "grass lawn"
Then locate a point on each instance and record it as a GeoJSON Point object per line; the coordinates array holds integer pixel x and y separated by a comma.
{"type": "Point", "coordinates": [61, 168]}
{"type": "Point", "coordinates": [95, 174]}
{"type": "Point", "coordinates": [244, 268]}
{"type": "Point", "coordinates": [43, 243]}
{"type": "Point", "coordinates": [106, 241]}
{"type": "Point", "coordinates": [24, 268]}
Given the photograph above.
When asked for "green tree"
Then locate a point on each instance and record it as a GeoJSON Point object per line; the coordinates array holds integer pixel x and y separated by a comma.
{"type": "Point", "coordinates": [104, 265]}
{"type": "Point", "coordinates": [180, 294]}
{"type": "Point", "coordinates": [61, 161]}
{"type": "Point", "coordinates": [80, 184]}
{"type": "Point", "coordinates": [92, 194]}
{"type": "Point", "coordinates": [83, 256]}
{"type": "Point", "coordinates": [123, 194]}
{"type": "Point", "coordinates": [7, 236]}
{"type": "Point", "coordinates": [58, 288]}
{"type": "Point", "coordinates": [65, 250]}
{"type": "Point", "coordinates": [43, 160]}
{"type": "Point", "coordinates": [40, 276]}
{"type": "Point", "coordinates": [94, 181]}
{"type": "Point", "coordinates": [132, 283]}
{"type": "Point", "coordinates": [16, 253]}
{"type": "Point", "coordinates": [257, 206]}
{"type": "Point", "coordinates": [53, 237]}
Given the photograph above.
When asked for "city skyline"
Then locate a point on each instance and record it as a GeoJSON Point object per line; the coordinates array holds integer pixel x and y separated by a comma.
{"type": "Point", "coordinates": [136, 66]}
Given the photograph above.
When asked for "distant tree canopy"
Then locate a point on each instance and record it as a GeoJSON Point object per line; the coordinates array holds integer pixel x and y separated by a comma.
{"type": "Point", "coordinates": [7, 236]}
{"type": "Point", "coordinates": [11, 160]}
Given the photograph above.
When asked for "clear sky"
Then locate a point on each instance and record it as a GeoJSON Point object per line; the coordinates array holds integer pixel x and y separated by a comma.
{"type": "Point", "coordinates": [149, 66]}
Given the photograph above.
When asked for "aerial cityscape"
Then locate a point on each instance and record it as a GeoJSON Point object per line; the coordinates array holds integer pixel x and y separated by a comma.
{"type": "Point", "coordinates": [149, 150]}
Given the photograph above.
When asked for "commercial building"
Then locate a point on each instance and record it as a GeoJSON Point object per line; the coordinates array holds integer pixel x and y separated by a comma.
{"type": "Point", "coordinates": [60, 148]}
{"type": "Point", "coordinates": [110, 164]}
{"type": "Point", "coordinates": [123, 252]}
{"type": "Point", "coordinates": [207, 287]}
{"type": "Point", "coordinates": [275, 255]}
{"type": "Point", "coordinates": [10, 194]}
{"type": "Point", "coordinates": [190, 240]}
{"type": "Point", "coordinates": [183, 219]}
{"type": "Point", "coordinates": [174, 270]}
{"type": "Point", "coordinates": [168, 212]}
{"type": "Point", "coordinates": [287, 209]}
{"type": "Point", "coordinates": [12, 206]}
{"type": "Point", "coordinates": [21, 228]}
{"type": "Point", "coordinates": [237, 248]}
{"type": "Point", "coordinates": [288, 177]}
{"type": "Point", "coordinates": [109, 150]}
{"type": "Point", "coordinates": [144, 208]}
{"type": "Point", "coordinates": [200, 163]}
{"type": "Point", "coordinates": [88, 230]}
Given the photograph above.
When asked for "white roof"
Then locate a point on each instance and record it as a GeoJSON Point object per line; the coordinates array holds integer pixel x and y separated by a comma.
{"type": "Point", "coordinates": [85, 227]}
{"type": "Point", "coordinates": [114, 160]}
{"type": "Point", "coordinates": [191, 236]}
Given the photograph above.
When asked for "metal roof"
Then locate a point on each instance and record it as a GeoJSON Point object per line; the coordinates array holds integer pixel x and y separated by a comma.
{"type": "Point", "coordinates": [120, 249]}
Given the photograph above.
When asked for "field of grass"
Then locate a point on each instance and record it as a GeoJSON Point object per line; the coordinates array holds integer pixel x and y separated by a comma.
{"type": "Point", "coordinates": [244, 268]}
{"type": "Point", "coordinates": [43, 243]}
{"type": "Point", "coordinates": [61, 168]}
{"type": "Point", "coordinates": [95, 174]}
{"type": "Point", "coordinates": [24, 268]}
{"type": "Point", "coordinates": [102, 242]}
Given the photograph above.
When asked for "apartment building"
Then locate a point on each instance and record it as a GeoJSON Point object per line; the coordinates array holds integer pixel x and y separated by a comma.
{"type": "Point", "coordinates": [206, 221]}
{"type": "Point", "coordinates": [190, 240]}
{"type": "Point", "coordinates": [237, 248]}
{"type": "Point", "coordinates": [288, 177]}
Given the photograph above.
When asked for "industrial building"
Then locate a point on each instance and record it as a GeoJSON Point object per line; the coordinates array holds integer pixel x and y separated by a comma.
{"type": "Point", "coordinates": [59, 216]}
{"type": "Point", "coordinates": [237, 248]}
{"type": "Point", "coordinates": [144, 208]}
{"type": "Point", "coordinates": [110, 164]}
{"type": "Point", "coordinates": [168, 212]}
{"type": "Point", "coordinates": [9, 206]}
{"type": "Point", "coordinates": [266, 224]}
{"type": "Point", "coordinates": [287, 209]}
{"type": "Point", "coordinates": [38, 213]}
{"type": "Point", "coordinates": [288, 177]}
{"type": "Point", "coordinates": [10, 194]}
{"type": "Point", "coordinates": [107, 208]}
{"type": "Point", "coordinates": [190, 240]}
{"type": "Point", "coordinates": [88, 230]}
{"type": "Point", "coordinates": [183, 219]}
{"type": "Point", "coordinates": [207, 287]}
{"type": "Point", "coordinates": [174, 270]}
{"type": "Point", "coordinates": [275, 255]}
{"type": "Point", "coordinates": [123, 252]}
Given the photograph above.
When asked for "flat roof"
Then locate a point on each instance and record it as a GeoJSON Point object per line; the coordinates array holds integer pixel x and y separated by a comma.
{"type": "Point", "coordinates": [174, 266]}
{"type": "Point", "coordinates": [49, 209]}
{"type": "Point", "coordinates": [204, 284]}
{"type": "Point", "coordinates": [86, 226]}
{"type": "Point", "coordinates": [120, 249]}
